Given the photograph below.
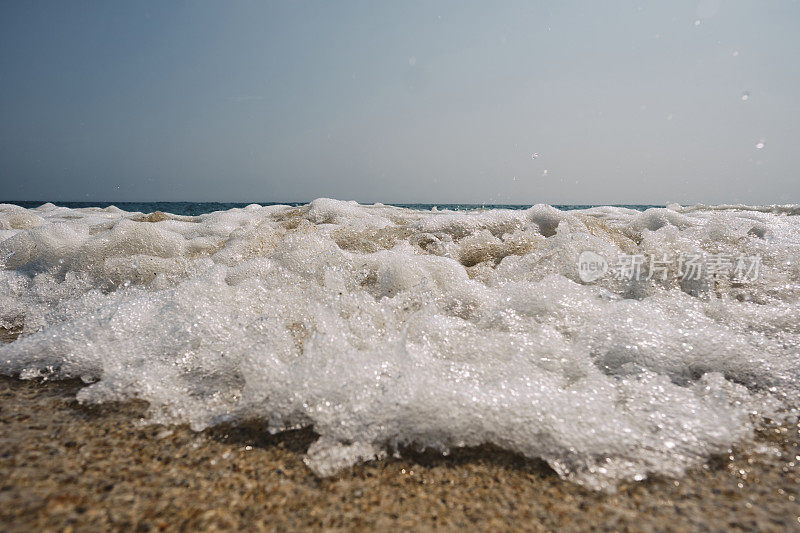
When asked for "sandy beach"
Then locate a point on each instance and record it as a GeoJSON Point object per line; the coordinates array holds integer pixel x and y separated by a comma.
{"type": "Point", "coordinates": [70, 467]}
{"type": "Point", "coordinates": [399, 266]}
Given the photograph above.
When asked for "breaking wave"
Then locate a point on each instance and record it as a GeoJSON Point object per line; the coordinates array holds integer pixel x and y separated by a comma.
{"type": "Point", "coordinates": [383, 327]}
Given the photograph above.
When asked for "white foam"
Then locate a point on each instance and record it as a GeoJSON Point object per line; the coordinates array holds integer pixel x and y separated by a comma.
{"type": "Point", "coordinates": [383, 327]}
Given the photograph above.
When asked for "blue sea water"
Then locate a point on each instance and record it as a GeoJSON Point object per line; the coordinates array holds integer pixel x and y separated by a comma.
{"type": "Point", "coordinates": [199, 208]}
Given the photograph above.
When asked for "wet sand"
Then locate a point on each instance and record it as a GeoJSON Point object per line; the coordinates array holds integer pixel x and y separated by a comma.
{"type": "Point", "coordinates": [70, 467]}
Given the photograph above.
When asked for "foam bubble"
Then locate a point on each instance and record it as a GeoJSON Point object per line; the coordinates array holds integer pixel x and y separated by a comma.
{"type": "Point", "coordinates": [384, 327]}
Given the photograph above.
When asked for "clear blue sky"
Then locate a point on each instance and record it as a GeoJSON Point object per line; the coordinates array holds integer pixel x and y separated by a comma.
{"type": "Point", "coordinates": [625, 102]}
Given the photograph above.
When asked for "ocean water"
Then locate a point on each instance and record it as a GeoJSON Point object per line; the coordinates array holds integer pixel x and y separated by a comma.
{"type": "Point", "coordinates": [614, 342]}
{"type": "Point", "coordinates": [201, 208]}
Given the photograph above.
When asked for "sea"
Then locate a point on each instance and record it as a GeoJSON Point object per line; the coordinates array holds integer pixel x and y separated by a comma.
{"type": "Point", "coordinates": [614, 342]}
{"type": "Point", "coordinates": [200, 208]}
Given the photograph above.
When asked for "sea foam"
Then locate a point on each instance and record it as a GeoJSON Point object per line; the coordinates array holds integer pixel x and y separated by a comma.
{"type": "Point", "coordinates": [383, 327]}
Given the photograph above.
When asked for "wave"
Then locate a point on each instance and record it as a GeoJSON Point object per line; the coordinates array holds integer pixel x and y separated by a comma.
{"type": "Point", "coordinates": [384, 327]}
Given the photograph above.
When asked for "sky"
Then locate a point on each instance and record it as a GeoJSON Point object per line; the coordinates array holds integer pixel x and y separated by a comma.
{"type": "Point", "coordinates": [401, 102]}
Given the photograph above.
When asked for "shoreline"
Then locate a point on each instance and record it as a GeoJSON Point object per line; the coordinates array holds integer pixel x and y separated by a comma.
{"type": "Point", "coordinates": [98, 467]}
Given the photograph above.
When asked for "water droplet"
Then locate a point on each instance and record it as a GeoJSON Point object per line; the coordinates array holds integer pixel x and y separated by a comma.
{"type": "Point", "coordinates": [760, 144]}
{"type": "Point", "coordinates": [534, 155]}
{"type": "Point", "coordinates": [735, 53]}
{"type": "Point", "coordinates": [745, 96]}
{"type": "Point", "coordinates": [545, 172]}
{"type": "Point", "coordinates": [697, 22]}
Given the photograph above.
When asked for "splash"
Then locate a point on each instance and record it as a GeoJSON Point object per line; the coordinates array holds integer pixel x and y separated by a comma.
{"type": "Point", "coordinates": [383, 327]}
